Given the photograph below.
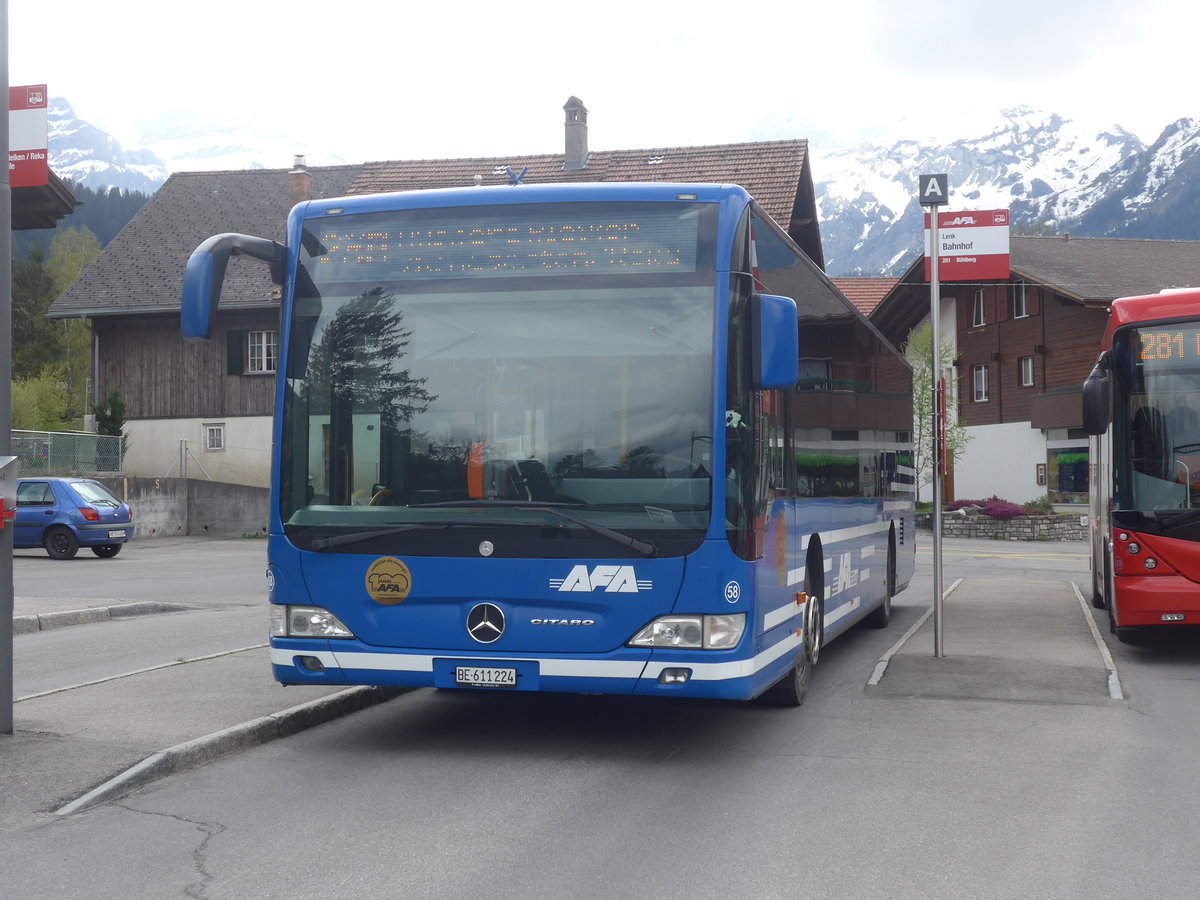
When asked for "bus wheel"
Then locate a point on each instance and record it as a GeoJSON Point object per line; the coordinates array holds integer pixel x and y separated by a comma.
{"type": "Point", "coordinates": [1129, 635]}
{"type": "Point", "coordinates": [882, 614]}
{"type": "Point", "coordinates": [791, 690]}
{"type": "Point", "coordinates": [1098, 590]}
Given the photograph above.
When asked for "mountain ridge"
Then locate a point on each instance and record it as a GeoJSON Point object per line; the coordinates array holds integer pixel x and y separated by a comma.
{"type": "Point", "coordinates": [1052, 173]}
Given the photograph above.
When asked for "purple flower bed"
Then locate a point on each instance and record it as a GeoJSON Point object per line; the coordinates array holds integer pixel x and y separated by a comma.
{"type": "Point", "coordinates": [992, 506]}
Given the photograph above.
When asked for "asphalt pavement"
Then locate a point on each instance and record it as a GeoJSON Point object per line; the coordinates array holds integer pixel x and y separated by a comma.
{"type": "Point", "coordinates": [1011, 639]}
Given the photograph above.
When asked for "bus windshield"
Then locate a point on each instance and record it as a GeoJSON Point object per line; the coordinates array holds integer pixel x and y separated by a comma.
{"type": "Point", "coordinates": [458, 367]}
{"type": "Point", "coordinates": [1158, 384]}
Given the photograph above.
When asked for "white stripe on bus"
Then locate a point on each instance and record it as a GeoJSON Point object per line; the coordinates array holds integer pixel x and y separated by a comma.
{"type": "Point", "coordinates": [565, 668]}
{"type": "Point", "coordinates": [779, 616]}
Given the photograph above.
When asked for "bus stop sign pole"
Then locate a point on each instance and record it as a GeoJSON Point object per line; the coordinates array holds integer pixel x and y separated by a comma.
{"type": "Point", "coordinates": [6, 542]}
{"type": "Point", "coordinates": [933, 192]}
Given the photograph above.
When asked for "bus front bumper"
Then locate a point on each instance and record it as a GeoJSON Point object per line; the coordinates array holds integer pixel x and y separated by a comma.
{"type": "Point", "coordinates": [1157, 600]}
{"type": "Point", "coordinates": [721, 676]}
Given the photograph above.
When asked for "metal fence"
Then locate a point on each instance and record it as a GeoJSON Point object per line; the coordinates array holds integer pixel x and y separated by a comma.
{"type": "Point", "coordinates": [67, 453]}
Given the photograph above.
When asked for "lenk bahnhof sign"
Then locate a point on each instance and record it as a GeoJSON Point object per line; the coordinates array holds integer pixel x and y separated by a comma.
{"type": "Point", "coordinates": [972, 245]}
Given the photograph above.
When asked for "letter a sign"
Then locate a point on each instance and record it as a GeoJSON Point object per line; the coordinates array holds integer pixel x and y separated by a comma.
{"type": "Point", "coordinates": [934, 190]}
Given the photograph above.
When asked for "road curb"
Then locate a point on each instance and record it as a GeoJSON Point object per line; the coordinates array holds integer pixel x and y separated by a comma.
{"type": "Point", "coordinates": [89, 615]}
{"type": "Point", "coordinates": [200, 751]}
{"type": "Point", "coordinates": [881, 666]}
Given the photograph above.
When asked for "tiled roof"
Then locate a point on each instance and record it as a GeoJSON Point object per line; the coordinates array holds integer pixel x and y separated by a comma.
{"type": "Point", "coordinates": [769, 170]}
{"type": "Point", "coordinates": [1098, 270]}
{"type": "Point", "coordinates": [141, 270]}
{"type": "Point", "coordinates": [865, 293]}
{"type": "Point", "coordinates": [774, 172]}
{"type": "Point", "coordinates": [1093, 271]}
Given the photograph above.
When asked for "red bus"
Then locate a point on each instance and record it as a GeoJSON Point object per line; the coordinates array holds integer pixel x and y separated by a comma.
{"type": "Point", "coordinates": [1140, 406]}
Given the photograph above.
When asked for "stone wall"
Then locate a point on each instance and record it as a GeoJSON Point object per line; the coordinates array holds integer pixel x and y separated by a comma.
{"type": "Point", "coordinates": [165, 507]}
{"type": "Point", "coordinates": [1063, 527]}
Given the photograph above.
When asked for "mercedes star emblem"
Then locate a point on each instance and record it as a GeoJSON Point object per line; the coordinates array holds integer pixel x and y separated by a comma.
{"type": "Point", "coordinates": [485, 622]}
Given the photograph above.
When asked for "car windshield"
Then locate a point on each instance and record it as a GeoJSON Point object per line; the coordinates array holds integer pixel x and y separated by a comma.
{"type": "Point", "coordinates": [419, 402]}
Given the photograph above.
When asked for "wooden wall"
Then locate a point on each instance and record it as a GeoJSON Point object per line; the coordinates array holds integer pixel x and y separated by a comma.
{"type": "Point", "coordinates": [1061, 335]}
{"type": "Point", "coordinates": [160, 375]}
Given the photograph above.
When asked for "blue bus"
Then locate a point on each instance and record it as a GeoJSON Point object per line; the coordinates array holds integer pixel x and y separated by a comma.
{"type": "Point", "coordinates": [603, 438]}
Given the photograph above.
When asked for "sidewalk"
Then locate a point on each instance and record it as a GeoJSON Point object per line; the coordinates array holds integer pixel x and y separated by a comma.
{"type": "Point", "coordinates": [139, 727]}
{"type": "Point", "coordinates": [1025, 641]}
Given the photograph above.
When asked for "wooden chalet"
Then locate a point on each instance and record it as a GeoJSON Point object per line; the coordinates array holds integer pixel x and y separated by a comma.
{"type": "Point", "coordinates": [1024, 347]}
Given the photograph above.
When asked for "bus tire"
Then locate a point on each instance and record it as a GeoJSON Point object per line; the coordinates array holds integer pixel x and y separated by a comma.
{"type": "Point", "coordinates": [1129, 634]}
{"type": "Point", "coordinates": [793, 687]}
{"type": "Point", "coordinates": [1100, 590]}
{"type": "Point", "coordinates": [882, 614]}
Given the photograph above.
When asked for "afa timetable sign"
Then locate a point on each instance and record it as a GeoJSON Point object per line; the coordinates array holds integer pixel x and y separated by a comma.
{"type": "Point", "coordinates": [27, 136]}
{"type": "Point", "coordinates": [972, 245]}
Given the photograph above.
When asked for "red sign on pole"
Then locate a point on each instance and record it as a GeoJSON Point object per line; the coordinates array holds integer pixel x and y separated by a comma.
{"type": "Point", "coordinates": [943, 444]}
{"type": "Point", "coordinates": [972, 245]}
{"type": "Point", "coordinates": [28, 164]}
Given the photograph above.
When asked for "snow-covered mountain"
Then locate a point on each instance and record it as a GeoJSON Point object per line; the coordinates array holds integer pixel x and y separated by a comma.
{"type": "Point", "coordinates": [81, 152]}
{"type": "Point", "coordinates": [190, 145]}
{"type": "Point", "coordinates": [1049, 171]}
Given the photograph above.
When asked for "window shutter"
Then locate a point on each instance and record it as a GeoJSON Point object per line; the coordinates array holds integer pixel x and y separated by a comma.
{"type": "Point", "coordinates": [235, 359]}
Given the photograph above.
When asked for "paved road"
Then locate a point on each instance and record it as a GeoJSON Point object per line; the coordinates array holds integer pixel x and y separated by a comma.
{"type": "Point", "coordinates": [1027, 781]}
{"type": "Point", "coordinates": [217, 572]}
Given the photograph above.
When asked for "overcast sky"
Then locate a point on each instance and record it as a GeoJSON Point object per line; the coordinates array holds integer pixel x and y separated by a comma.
{"type": "Point", "coordinates": [374, 80]}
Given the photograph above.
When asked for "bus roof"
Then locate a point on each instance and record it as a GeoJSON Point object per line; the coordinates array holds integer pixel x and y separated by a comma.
{"type": "Point", "coordinates": [1175, 304]}
{"type": "Point", "coordinates": [525, 193]}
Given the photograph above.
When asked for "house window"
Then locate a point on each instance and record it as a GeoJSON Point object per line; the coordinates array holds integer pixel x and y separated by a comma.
{"type": "Point", "coordinates": [1018, 291]}
{"type": "Point", "coordinates": [979, 378]}
{"type": "Point", "coordinates": [1026, 371]}
{"type": "Point", "coordinates": [815, 374]}
{"type": "Point", "coordinates": [262, 351]}
{"type": "Point", "coordinates": [978, 318]}
{"type": "Point", "coordinates": [214, 437]}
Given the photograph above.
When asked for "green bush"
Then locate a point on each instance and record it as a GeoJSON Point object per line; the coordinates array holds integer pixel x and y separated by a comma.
{"type": "Point", "coordinates": [1039, 507]}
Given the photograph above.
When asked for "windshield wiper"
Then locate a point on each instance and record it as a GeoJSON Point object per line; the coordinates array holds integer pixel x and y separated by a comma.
{"type": "Point", "coordinates": [1181, 520]}
{"type": "Point", "coordinates": [340, 540]}
{"type": "Point", "coordinates": [646, 548]}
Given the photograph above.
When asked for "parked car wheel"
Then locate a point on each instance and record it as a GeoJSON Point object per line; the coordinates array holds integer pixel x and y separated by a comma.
{"type": "Point", "coordinates": [107, 551]}
{"type": "Point", "coordinates": [60, 543]}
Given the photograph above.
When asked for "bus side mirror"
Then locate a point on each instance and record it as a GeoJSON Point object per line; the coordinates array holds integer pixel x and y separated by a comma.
{"type": "Point", "coordinates": [205, 274]}
{"type": "Point", "coordinates": [774, 329]}
{"type": "Point", "coordinates": [1097, 397]}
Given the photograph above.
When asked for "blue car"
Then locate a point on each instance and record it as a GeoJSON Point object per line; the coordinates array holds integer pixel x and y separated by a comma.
{"type": "Point", "coordinates": [63, 514]}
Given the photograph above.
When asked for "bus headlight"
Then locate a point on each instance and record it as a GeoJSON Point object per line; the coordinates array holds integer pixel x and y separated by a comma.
{"type": "Point", "coordinates": [692, 632]}
{"type": "Point", "coordinates": [306, 621]}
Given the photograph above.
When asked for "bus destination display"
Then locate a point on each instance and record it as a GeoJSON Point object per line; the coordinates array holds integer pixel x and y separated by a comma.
{"type": "Point", "coordinates": [500, 242]}
{"type": "Point", "coordinates": [1168, 346]}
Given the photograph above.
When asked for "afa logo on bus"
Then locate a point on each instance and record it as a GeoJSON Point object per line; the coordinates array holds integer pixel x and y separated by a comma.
{"type": "Point", "coordinates": [614, 580]}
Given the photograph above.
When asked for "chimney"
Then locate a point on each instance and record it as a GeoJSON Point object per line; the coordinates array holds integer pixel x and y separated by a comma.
{"type": "Point", "coordinates": [576, 128]}
{"type": "Point", "coordinates": [300, 181]}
